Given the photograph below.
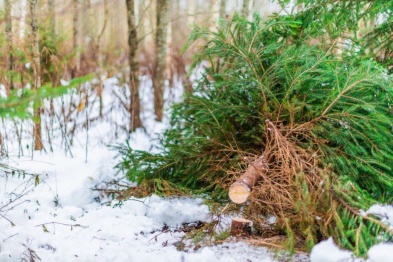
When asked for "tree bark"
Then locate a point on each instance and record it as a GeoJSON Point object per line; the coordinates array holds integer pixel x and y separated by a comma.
{"type": "Point", "coordinates": [250, 9]}
{"type": "Point", "coordinates": [171, 39]}
{"type": "Point", "coordinates": [215, 7]}
{"type": "Point", "coordinates": [52, 28]}
{"type": "Point", "coordinates": [141, 21]}
{"type": "Point", "coordinates": [191, 15]}
{"type": "Point", "coordinates": [135, 120]}
{"type": "Point", "coordinates": [8, 31]}
{"type": "Point", "coordinates": [97, 47]}
{"type": "Point", "coordinates": [22, 22]}
{"type": "Point", "coordinates": [241, 189]}
{"type": "Point", "coordinates": [241, 227]}
{"type": "Point", "coordinates": [52, 17]}
{"type": "Point", "coordinates": [75, 37]}
{"type": "Point", "coordinates": [37, 74]}
{"type": "Point", "coordinates": [162, 10]}
{"type": "Point", "coordinates": [223, 5]}
{"type": "Point", "coordinates": [245, 10]}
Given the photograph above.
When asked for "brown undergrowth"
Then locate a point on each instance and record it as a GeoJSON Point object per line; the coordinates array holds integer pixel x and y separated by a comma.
{"type": "Point", "coordinates": [289, 185]}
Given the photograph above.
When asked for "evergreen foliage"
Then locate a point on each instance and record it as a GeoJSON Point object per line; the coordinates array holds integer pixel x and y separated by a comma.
{"type": "Point", "coordinates": [17, 103]}
{"type": "Point", "coordinates": [361, 26]}
{"type": "Point", "coordinates": [322, 124]}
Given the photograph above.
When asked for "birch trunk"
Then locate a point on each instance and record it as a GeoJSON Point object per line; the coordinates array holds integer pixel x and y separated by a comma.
{"type": "Point", "coordinates": [134, 109]}
{"type": "Point", "coordinates": [8, 31]}
{"type": "Point", "coordinates": [37, 74]}
{"type": "Point", "coordinates": [215, 7]}
{"type": "Point", "coordinates": [162, 10]}
{"type": "Point", "coordinates": [245, 10]}
{"type": "Point", "coordinates": [251, 4]}
{"type": "Point", "coordinates": [22, 22]}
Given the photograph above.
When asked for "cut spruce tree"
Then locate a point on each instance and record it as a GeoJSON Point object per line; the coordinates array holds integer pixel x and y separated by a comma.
{"type": "Point", "coordinates": [308, 134]}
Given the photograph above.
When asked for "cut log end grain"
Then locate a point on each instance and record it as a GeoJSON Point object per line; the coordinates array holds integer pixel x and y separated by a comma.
{"type": "Point", "coordinates": [241, 227]}
{"type": "Point", "coordinates": [241, 189]}
{"type": "Point", "coordinates": [239, 192]}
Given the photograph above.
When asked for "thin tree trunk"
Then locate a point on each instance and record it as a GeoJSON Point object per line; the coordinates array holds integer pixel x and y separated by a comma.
{"type": "Point", "coordinates": [52, 17]}
{"type": "Point", "coordinates": [75, 44]}
{"type": "Point", "coordinates": [89, 20]}
{"type": "Point", "coordinates": [8, 31]}
{"type": "Point", "coordinates": [223, 9]}
{"type": "Point", "coordinates": [22, 22]}
{"type": "Point", "coordinates": [135, 121]}
{"type": "Point", "coordinates": [141, 21]}
{"type": "Point", "coordinates": [215, 7]}
{"type": "Point", "coordinates": [191, 16]}
{"type": "Point", "coordinates": [52, 29]}
{"type": "Point", "coordinates": [171, 38]}
{"type": "Point", "coordinates": [162, 10]}
{"type": "Point", "coordinates": [152, 22]}
{"type": "Point", "coordinates": [245, 8]}
{"type": "Point", "coordinates": [97, 47]}
{"type": "Point", "coordinates": [37, 74]}
{"type": "Point", "coordinates": [250, 9]}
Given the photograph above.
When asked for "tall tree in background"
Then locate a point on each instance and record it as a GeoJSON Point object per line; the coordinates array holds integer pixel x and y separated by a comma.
{"type": "Point", "coordinates": [52, 17]}
{"type": "Point", "coordinates": [142, 21]}
{"type": "Point", "coordinates": [223, 4]}
{"type": "Point", "coordinates": [191, 10]}
{"type": "Point", "coordinates": [37, 73]}
{"type": "Point", "coordinates": [218, 13]}
{"type": "Point", "coordinates": [50, 44]}
{"type": "Point", "coordinates": [8, 31]}
{"type": "Point", "coordinates": [134, 67]}
{"type": "Point", "coordinates": [75, 30]}
{"type": "Point", "coordinates": [162, 11]}
{"type": "Point", "coordinates": [245, 10]}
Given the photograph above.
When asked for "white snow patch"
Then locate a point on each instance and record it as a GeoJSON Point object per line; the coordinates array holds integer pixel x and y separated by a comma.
{"type": "Point", "coordinates": [327, 251]}
{"type": "Point", "coordinates": [175, 212]}
{"type": "Point", "coordinates": [64, 82]}
{"type": "Point", "coordinates": [381, 253]}
{"type": "Point", "coordinates": [384, 212]}
{"type": "Point", "coordinates": [3, 91]}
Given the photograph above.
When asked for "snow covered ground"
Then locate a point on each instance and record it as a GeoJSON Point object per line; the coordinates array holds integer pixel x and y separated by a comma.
{"type": "Point", "coordinates": [54, 215]}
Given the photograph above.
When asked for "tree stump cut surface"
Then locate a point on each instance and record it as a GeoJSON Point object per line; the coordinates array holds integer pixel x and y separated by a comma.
{"type": "Point", "coordinates": [241, 227]}
{"type": "Point", "coordinates": [241, 189]}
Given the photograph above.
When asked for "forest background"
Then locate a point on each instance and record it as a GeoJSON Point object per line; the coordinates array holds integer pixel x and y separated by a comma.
{"type": "Point", "coordinates": [45, 42]}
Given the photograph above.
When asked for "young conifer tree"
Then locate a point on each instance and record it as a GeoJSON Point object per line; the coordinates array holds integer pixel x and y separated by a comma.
{"type": "Point", "coordinates": [321, 126]}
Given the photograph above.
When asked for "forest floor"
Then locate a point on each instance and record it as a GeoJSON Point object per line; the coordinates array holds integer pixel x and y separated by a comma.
{"type": "Point", "coordinates": [54, 213]}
